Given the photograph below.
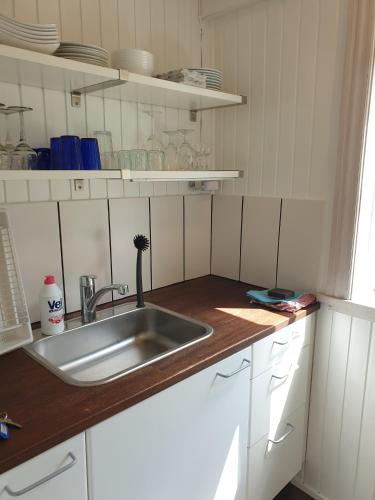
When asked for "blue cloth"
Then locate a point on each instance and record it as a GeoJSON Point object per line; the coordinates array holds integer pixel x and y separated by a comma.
{"type": "Point", "coordinates": [261, 296]}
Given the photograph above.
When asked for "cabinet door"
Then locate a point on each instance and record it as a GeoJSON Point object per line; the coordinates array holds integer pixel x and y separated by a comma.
{"type": "Point", "coordinates": [58, 474]}
{"type": "Point", "coordinates": [187, 442]}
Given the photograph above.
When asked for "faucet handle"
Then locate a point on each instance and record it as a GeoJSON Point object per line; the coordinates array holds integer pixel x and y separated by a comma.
{"type": "Point", "coordinates": [87, 280]}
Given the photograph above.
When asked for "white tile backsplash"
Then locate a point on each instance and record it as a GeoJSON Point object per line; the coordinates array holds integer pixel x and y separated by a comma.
{"type": "Point", "coordinates": [167, 240]}
{"type": "Point", "coordinates": [85, 246]}
{"type": "Point", "coordinates": [35, 229]}
{"type": "Point", "coordinates": [129, 217]}
{"type": "Point", "coordinates": [16, 191]}
{"type": "Point", "coordinates": [98, 188]}
{"type": "Point", "coordinates": [197, 235]}
{"type": "Point", "coordinates": [115, 188]}
{"type": "Point", "coordinates": [39, 190]}
{"type": "Point", "coordinates": [60, 190]}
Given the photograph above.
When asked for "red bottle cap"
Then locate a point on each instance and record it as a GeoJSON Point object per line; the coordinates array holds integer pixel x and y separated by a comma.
{"type": "Point", "coordinates": [49, 280]}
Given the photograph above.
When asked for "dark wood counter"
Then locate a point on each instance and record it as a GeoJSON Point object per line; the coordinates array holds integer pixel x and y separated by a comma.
{"type": "Point", "coordinates": [52, 411]}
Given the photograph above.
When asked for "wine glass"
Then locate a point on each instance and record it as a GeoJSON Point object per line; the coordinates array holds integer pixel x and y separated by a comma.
{"type": "Point", "coordinates": [171, 150]}
{"type": "Point", "coordinates": [23, 156]}
{"type": "Point", "coordinates": [152, 142]}
{"type": "Point", "coordinates": [185, 152]}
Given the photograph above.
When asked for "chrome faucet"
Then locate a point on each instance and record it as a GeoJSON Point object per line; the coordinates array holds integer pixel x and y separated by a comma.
{"type": "Point", "coordinates": [90, 298]}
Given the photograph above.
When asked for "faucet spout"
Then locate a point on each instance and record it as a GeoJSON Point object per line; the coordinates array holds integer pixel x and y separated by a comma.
{"type": "Point", "coordinates": [90, 298]}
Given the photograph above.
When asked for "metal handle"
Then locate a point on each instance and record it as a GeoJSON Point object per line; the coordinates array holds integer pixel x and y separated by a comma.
{"type": "Point", "coordinates": [281, 343]}
{"type": "Point", "coordinates": [288, 433]}
{"type": "Point", "coordinates": [280, 378]}
{"type": "Point", "coordinates": [242, 367]}
{"type": "Point", "coordinates": [18, 493]}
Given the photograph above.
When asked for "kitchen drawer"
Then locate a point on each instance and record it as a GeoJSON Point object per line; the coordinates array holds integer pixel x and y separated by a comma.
{"type": "Point", "coordinates": [281, 345]}
{"type": "Point", "coordinates": [278, 392]}
{"type": "Point", "coordinates": [271, 466]}
{"type": "Point", "coordinates": [58, 474]}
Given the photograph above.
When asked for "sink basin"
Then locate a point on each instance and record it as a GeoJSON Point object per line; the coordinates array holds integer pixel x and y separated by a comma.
{"type": "Point", "coordinates": [122, 340]}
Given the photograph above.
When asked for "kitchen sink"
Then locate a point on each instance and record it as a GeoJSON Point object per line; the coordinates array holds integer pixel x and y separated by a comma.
{"type": "Point", "coordinates": [122, 340]}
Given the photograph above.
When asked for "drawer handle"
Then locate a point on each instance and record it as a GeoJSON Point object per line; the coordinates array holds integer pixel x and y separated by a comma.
{"type": "Point", "coordinates": [244, 364]}
{"type": "Point", "coordinates": [284, 377]}
{"type": "Point", "coordinates": [18, 493]}
{"type": "Point", "coordinates": [281, 343]}
{"type": "Point", "coordinates": [282, 438]}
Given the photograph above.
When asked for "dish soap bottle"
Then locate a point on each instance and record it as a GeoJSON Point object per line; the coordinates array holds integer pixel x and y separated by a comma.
{"type": "Point", "coordinates": [51, 307]}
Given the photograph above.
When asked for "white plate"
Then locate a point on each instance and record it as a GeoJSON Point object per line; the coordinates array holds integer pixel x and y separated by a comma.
{"type": "Point", "coordinates": [83, 46]}
{"type": "Point", "coordinates": [30, 37]}
{"type": "Point", "coordinates": [42, 27]}
{"type": "Point", "coordinates": [87, 61]}
{"type": "Point", "coordinates": [45, 48]}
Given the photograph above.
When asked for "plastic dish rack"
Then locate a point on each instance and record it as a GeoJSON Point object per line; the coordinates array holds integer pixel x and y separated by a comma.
{"type": "Point", "coordinates": [15, 328]}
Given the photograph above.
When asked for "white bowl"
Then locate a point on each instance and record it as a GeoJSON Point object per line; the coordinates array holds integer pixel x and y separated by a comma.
{"type": "Point", "coordinates": [134, 60]}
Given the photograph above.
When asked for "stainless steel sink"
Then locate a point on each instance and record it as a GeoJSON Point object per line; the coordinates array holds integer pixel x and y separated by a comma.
{"type": "Point", "coordinates": [122, 340]}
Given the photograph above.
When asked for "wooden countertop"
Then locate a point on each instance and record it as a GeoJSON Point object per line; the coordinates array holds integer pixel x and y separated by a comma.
{"type": "Point", "coordinates": [52, 411]}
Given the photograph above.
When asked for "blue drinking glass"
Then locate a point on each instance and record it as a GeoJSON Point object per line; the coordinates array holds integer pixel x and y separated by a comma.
{"type": "Point", "coordinates": [90, 154]}
{"type": "Point", "coordinates": [70, 152]}
{"type": "Point", "coordinates": [55, 158]}
{"type": "Point", "coordinates": [43, 161]}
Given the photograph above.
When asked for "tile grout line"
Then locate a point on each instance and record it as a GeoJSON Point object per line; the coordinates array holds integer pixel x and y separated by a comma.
{"type": "Point", "coordinates": [240, 255]}
{"type": "Point", "coordinates": [61, 251]}
{"type": "Point", "coordinates": [278, 242]}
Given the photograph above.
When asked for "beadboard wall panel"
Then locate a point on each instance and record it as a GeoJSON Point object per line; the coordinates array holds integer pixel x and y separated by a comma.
{"type": "Point", "coordinates": [36, 234]}
{"type": "Point", "coordinates": [260, 240]}
{"type": "Point", "coordinates": [169, 28]}
{"type": "Point", "coordinates": [341, 446]}
{"type": "Point", "coordinates": [287, 57]}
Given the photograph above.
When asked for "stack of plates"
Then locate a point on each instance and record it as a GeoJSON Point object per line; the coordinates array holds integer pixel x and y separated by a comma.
{"type": "Point", "coordinates": [39, 37]}
{"type": "Point", "coordinates": [214, 77]}
{"type": "Point", "coordinates": [90, 54]}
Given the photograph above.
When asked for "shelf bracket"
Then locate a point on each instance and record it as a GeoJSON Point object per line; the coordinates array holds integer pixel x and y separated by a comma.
{"type": "Point", "coordinates": [76, 94]}
{"type": "Point", "coordinates": [193, 112]}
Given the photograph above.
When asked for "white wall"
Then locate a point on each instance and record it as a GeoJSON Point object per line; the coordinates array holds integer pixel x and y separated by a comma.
{"type": "Point", "coordinates": [341, 440]}
{"type": "Point", "coordinates": [287, 57]}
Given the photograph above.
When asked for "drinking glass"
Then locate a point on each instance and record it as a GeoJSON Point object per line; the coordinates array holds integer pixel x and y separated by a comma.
{"type": "Point", "coordinates": [170, 151]}
{"type": "Point", "coordinates": [23, 156]}
{"type": "Point", "coordinates": [155, 160]}
{"type": "Point", "coordinates": [23, 160]}
{"type": "Point", "coordinates": [43, 161]}
{"type": "Point", "coordinates": [185, 152]}
{"type": "Point", "coordinates": [124, 159]}
{"type": "Point", "coordinates": [90, 154]}
{"type": "Point", "coordinates": [55, 158]}
{"type": "Point", "coordinates": [138, 159]}
{"type": "Point", "coordinates": [104, 138]}
{"type": "Point", "coordinates": [70, 152]}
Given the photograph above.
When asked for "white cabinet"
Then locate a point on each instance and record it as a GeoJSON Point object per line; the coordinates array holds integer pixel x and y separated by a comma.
{"type": "Point", "coordinates": [279, 401]}
{"type": "Point", "coordinates": [58, 474]}
{"type": "Point", "coordinates": [188, 442]}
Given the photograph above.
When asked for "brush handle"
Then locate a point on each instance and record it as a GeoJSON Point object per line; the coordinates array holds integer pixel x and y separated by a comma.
{"type": "Point", "coordinates": [140, 301]}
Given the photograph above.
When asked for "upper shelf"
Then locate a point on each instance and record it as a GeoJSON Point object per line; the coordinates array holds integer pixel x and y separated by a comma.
{"type": "Point", "coordinates": [50, 72]}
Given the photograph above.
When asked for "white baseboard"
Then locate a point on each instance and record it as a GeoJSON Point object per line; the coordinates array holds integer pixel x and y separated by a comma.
{"type": "Point", "coordinates": [306, 489]}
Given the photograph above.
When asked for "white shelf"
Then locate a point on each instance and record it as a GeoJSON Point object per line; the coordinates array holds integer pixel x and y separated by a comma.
{"type": "Point", "coordinates": [47, 71]}
{"type": "Point", "coordinates": [127, 175]}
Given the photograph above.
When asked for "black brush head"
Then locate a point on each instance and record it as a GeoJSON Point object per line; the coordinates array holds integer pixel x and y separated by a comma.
{"type": "Point", "coordinates": [141, 242]}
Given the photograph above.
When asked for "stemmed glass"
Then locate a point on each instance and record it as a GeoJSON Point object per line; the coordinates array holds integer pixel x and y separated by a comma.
{"type": "Point", "coordinates": [185, 152]}
{"type": "Point", "coordinates": [171, 150]}
{"type": "Point", "coordinates": [152, 142]}
{"type": "Point", "coordinates": [153, 145]}
{"type": "Point", "coordinates": [202, 154]}
{"type": "Point", "coordinates": [23, 157]}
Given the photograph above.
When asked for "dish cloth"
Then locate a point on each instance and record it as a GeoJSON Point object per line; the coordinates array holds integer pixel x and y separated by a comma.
{"type": "Point", "coordinates": [293, 304]}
